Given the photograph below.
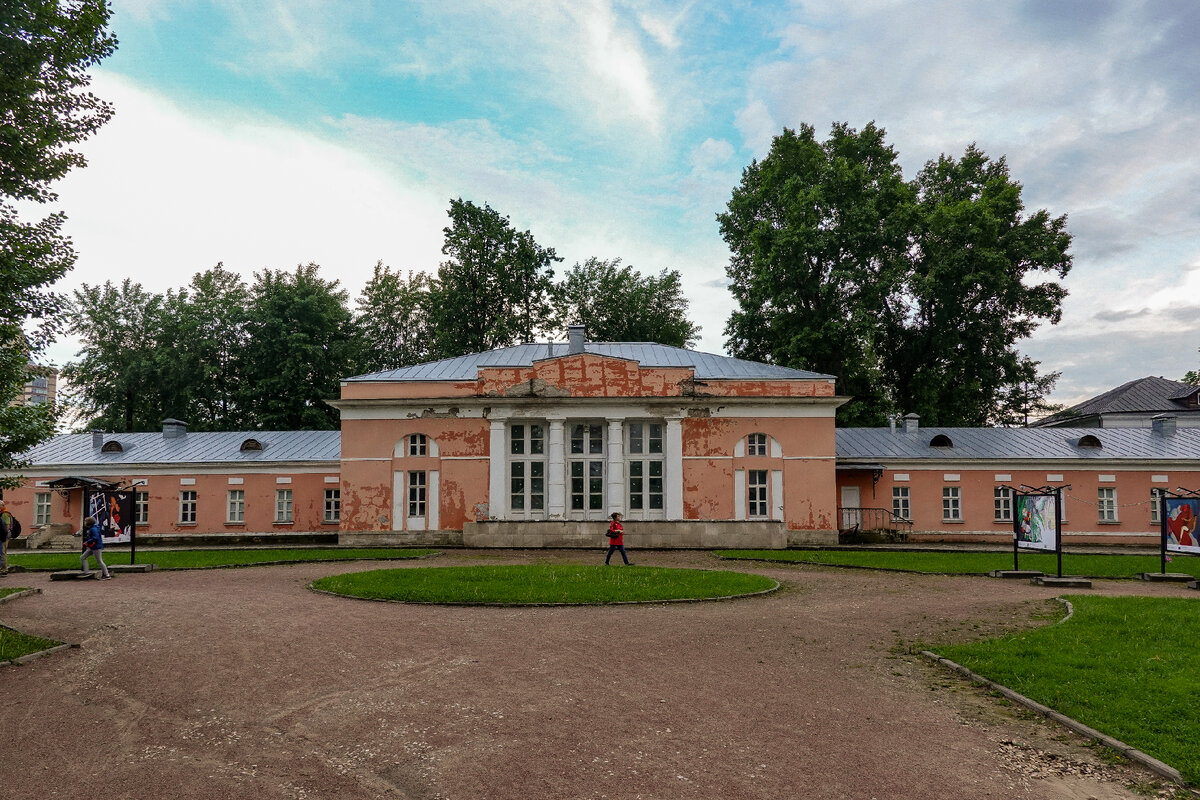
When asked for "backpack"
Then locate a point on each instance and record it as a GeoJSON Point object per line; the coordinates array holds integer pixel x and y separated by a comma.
{"type": "Point", "coordinates": [14, 527]}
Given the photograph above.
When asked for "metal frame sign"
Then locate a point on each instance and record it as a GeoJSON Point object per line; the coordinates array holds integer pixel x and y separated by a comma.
{"type": "Point", "coordinates": [113, 511]}
{"type": "Point", "coordinates": [1037, 521]}
{"type": "Point", "coordinates": [1179, 515]}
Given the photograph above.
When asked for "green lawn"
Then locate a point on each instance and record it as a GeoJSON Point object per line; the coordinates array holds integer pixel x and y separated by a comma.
{"type": "Point", "coordinates": [539, 584]}
{"type": "Point", "coordinates": [1093, 566]}
{"type": "Point", "coordinates": [1122, 665]}
{"type": "Point", "coordinates": [195, 559]}
{"type": "Point", "coordinates": [14, 644]}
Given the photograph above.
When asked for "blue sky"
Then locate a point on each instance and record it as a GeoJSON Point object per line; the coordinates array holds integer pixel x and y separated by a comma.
{"type": "Point", "coordinates": [266, 133]}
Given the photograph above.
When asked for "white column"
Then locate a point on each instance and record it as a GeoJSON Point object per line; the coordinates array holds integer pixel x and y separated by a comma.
{"type": "Point", "coordinates": [556, 476]}
{"type": "Point", "coordinates": [616, 466]}
{"type": "Point", "coordinates": [497, 497]}
{"type": "Point", "coordinates": [673, 469]}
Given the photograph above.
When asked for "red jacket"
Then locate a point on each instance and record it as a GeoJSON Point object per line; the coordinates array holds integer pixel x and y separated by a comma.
{"type": "Point", "coordinates": [616, 533]}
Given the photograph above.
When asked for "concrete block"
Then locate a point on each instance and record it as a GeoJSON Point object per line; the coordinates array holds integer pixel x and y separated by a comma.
{"type": "Point", "coordinates": [1065, 582]}
{"type": "Point", "coordinates": [1165, 577]}
{"type": "Point", "coordinates": [1015, 573]}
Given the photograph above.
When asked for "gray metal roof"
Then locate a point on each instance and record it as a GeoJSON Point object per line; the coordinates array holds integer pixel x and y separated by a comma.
{"type": "Point", "coordinates": [707, 366]}
{"type": "Point", "coordinates": [192, 448]}
{"type": "Point", "coordinates": [1148, 395]}
{"type": "Point", "coordinates": [995, 444]}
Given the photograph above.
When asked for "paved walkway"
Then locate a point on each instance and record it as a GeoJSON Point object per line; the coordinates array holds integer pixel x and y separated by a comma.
{"type": "Point", "coordinates": [241, 683]}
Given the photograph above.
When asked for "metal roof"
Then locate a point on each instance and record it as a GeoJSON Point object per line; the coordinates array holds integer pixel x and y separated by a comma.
{"type": "Point", "coordinates": [191, 448]}
{"type": "Point", "coordinates": [707, 366]}
{"type": "Point", "coordinates": [1148, 395]}
{"type": "Point", "coordinates": [998, 444]}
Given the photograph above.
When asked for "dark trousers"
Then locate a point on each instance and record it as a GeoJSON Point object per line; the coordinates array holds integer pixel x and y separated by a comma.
{"type": "Point", "coordinates": [613, 547]}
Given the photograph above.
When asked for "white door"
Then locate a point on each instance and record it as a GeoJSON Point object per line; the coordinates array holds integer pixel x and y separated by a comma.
{"type": "Point", "coordinates": [851, 505]}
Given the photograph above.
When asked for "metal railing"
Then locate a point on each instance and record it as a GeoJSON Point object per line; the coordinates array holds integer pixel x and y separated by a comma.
{"type": "Point", "coordinates": [871, 519]}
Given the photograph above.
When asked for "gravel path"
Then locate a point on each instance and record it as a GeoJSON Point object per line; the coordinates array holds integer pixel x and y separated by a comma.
{"type": "Point", "coordinates": [241, 683]}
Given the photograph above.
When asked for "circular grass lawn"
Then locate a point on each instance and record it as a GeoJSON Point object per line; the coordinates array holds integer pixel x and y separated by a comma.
{"type": "Point", "coordinates": [543, 584]}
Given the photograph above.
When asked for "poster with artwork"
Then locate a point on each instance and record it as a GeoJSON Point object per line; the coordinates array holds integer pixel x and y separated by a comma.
{"type": "Point", "coordinates": [113, 512]}
{"type": "Point", "coordinates": [1036, 521]}
{"type": "Point", "coordinates": [1182, 515]}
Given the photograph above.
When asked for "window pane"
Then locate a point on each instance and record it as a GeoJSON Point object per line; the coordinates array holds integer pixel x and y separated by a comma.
{"type": "Point", "coordinates": [595, 439]}
{"type": "Point", "coordinates": [537, 439]}
{"type": "Point", "coordinates": [577, 438]}
{"type": "Point", "coordinates": [518, 438]}
{"type": "Point", "coordinates": [656, 438]}
{"type": "Point", "coordinates": [635, 437]}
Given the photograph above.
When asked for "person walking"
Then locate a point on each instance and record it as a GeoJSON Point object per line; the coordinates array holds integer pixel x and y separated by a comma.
{"type": "Point", "coordinates": [93, 544]}
{"type": "Point", "coordinates": [616, 539]}
{"type": "Point", "coordinates": [6, 531]}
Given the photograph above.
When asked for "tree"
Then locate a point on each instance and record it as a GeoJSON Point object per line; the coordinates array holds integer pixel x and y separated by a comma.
{"type": "Point", "coordinates": [818, 236]}
{"type": "Point", "coordinates": [45, 48]}
{"type": "Point", "coordinates": [300, 342]}
{"type": "Point", "coordinates": [617, 304]}
{"type": "Point", "coordinates": [393, 319]}
{"type": "Point", "coordinates": [495, 287]}
{"type": "Point", "coordinates": [115, 381]}
{"type": "Point", "coordinates": [977, 287]}
{"type": "Point", "coordinates": [914, 294]}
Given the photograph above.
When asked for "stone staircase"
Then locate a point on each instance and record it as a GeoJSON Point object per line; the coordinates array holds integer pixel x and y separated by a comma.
{"type": "Point", "coordinates": [58, 536]}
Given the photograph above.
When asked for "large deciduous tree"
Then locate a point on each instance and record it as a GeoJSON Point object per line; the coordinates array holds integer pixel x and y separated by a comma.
{"type": "Point", "coordinates": [300, 341]}
{"type": "Point", "coordinates": [618, 304]}
{"type": "Point", "coordinates": [46, 47]}
{"type": "Point", "coordinates": [393, 319]}
{"type": "Point", "coordinates": [495, 287]}
{"type": "Point", "coordinates": [818, 235]}
{"type": "Point", "coordinates": [914, 294]}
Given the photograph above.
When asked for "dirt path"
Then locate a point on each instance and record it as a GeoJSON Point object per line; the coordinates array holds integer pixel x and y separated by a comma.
{"type": "Point", "coordinates": [241, 683]}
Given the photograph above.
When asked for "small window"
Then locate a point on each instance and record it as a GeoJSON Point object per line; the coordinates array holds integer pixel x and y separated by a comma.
{"type": "Point", "coordinates": [112, 446]}
{"type": "Point", "coordinates": [141, 508]}
{"type": "Point", "coordinates": [901, 506]}
{"type": "Point", "coordinates": [756, 444]}
{"type": "Point", "coordinates": [333, 505]}
{"type": "Point", "coordinates": [1107, 502]}
{"type": "Point", "coordinates": [251, 445]}
{"type": "Point", "coordinates": [1090, 441]}
{"type": "Point", "coordinates": [1155, 506]}
{"type": "Point", "coordinates": [417, 444]}
{"type": "Point", "coordinates": [283, 506]}
{"type": "Point", "coordinates": [1002, 498]}
{"type": "Point", "coordinates": [416, 494]}
{"type": "Point", "coordinates": [187, 507]}
{"type": "Point", "coordinates": [951, 504]}
{"type": "Point", "coordinates": [941, 440]}
{"type": "Point", "coordinates": [236, 507]}
{"type": "Point", "coordinates": [756, 496]}
{"type": "Point", "coordinates": [41, 508]}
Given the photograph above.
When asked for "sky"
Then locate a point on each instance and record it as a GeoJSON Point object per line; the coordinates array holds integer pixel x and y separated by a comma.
{"type": "Point", "coordinates": [270, 133]}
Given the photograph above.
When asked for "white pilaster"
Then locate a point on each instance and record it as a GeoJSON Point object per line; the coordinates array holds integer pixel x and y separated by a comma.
{"type": "Point", "coordinates": [777, 494]}
{"type": "Point", "coordinates": [616, 466]}
{"type": "Point", "coordinates": [556, 477]}
{"type": "Point", "coordinates": [433, 498]}
{"type": "Point", "coordinates": [739, 494]}
{"type": "Point", "coordinates": [673, 468]}
{"type": "Point", "coordinates": [497, 497]}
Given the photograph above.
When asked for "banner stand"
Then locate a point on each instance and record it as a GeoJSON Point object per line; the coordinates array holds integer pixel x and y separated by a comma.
{"type": "Point", "coordinates": [1037, 521]}
{"type": "Point", "coordinates": [1178, 516]}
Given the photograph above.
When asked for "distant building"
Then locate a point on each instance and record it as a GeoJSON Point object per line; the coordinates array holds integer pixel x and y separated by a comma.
{"type": "Point", "coordinates": [1132, 405]}
{"type": "Point", "coordinates": [41, 388]}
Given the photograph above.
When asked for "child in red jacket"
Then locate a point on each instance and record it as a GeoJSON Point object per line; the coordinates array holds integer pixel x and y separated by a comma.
{"type": "Point", "coordinates": [616, 538]}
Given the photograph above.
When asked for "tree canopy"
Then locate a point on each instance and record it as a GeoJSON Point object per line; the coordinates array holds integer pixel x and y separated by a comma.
{"type": "Point", "coordinates": [914, 294]}
{"type": "Point", "coordinates": [618, 304]}
{"type": "Point", "coordinates": [46, 47]}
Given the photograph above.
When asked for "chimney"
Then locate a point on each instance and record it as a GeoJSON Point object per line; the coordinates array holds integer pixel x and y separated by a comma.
{"type": "Point", "coordinates": [892, 422]}
{"type": "Point", "coordinates": [97, 439]}
{"type": "Point", "coordinates": [1163, 425]}
{"type": "Point", "coordinates": [576, 335]}
{"type": "Point", "coordinates": [174, 429]}
{"type": "Point", "coordinates": [911, 423]}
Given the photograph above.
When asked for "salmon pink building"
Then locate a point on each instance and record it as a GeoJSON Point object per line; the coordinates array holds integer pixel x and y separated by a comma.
{"type": "Point", "coordinates": [536, 445]}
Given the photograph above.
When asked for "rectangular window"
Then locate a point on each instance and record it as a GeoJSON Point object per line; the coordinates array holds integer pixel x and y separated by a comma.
{"type": "Point", "coordinates": [235, 507]}
{"type": "Point", "coordinates": [333, 505]}
{"type": "Point", "coordinates": [951, 504]}
{"type": "Point", "coordinates": [1107, 502]}
{"type": "Point", "coordinates": [1155, 506]}
{"type": "Point", "coordinates": [1002, 499]}
{"type": "Point", "coordinates": [41, 508]}
{"type": "Point", "coordinates": [283, 505]}
{"type": "Point", "coordinates": [756, 444]}
{"type": "Point", "coordinates": [416, 494]}
{"type": "Point", "coordinates": [587, 439]}
{"type": "Point", "coordinates": [141, 508]}
{"type": "Point", "coordinates": [900, 502]}
{"type": "Point", "coordinates": [416, 444]}
{"type": "Point", "coordinates": [645, 485]}
{"type": "Point", "coordinates": [187, 507]}
{"type": "Point", "coordinates": [756, 494]}
{"type": "Point", "coordinates": [527, 469]}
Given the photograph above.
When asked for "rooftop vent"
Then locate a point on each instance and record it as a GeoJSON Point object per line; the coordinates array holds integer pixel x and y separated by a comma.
{"type": "Point", "coordinates": [251, 445]}
{"type": "Point", "coordinates": [97, 438]}
{"type": "Point", "coordinates": [174, 428]}
{"type": "Point", "coordinates": [1088, 440]}
{"type": "Point", "coordinates": [576, 336]}
{"type": "Point", "coordinates": [941, 440]}
{"type": "Point", "coordinates": [112, 446]}
{"type": "Point", "coordinates": [1163, 425]}
{"type": "Point", "coordinates": [911, 422]}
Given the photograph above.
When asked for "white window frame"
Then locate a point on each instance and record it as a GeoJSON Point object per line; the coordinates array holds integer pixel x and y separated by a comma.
{"type": "Point", "coordinates": [587, 469]}
{"type": "Point", "coordinates": [141, 508]}
{"type": "Point", "coordinates": [416, 494]}
{"type": "Point", "coordinates": [1106, 503]}
{"type": "Point", "coordinates": [528, 469]}
{"type": "Point", "coordinates": [758, 494]}
{"type": "Point", "coordinates": [284, 511]}
{"type": "Point", "coordinates": [418, 445]}
{"type": "Point", "coordinates": [756, 445]}
{"type": "Point", "coordinates": [333, 505]}
{"type": "Point", "coordinates": [901, 502]}
{"type": "Point", "coordinates": [235, 506]}
{"type": "Point", "coordinates": [1002, 503]}
{"type": "Point", "coordinates": [951, 504]}
{"type": "Point", "coordinates": [41, 508]}
{"type": "Point", "coordinates": [1155, 506]}
{"type": "Point", "coordinates": [187, 506]}
{"type": "Point", "coordinates": [645, 468]}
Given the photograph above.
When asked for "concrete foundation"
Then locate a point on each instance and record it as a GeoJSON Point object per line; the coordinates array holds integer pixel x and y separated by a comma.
{"type": "Point", "coordinates": [400, 539]}
{"type": "Point", "coordinates": [660, 535]}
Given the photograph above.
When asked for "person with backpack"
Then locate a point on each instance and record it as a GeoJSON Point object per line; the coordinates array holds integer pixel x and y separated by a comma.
{"type": "Point", "coordinates": [10, 528]}
{"type": "Point", "coordinates": [93, 544]}
{"type": "Point", "coordinates": [616, 539]}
